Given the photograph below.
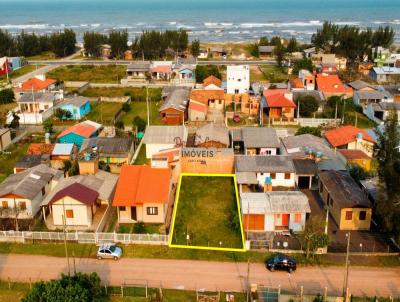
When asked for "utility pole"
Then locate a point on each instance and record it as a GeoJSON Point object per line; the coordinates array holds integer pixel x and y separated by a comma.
{"type": "Point", "coordinates": [346, 276]}
{"type": "Point", "coordinates": [344, 108]}
{"type": "Point", "coordinates": [336, 114]}
{"type": "Point", "coordinates": [147, 105]}
{"type": "Point", "coordinates": [65, 237]}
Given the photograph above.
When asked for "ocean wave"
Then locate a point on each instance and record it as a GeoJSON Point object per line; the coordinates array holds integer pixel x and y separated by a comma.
{"type": "Point", "coordinates": [255, 25]}
{"type": "Point", "coordinates": [24, 26]}
{"type": "Point", "coordinates": [351, 23]}
{"type": "Point", "coordinates": [299, 23]}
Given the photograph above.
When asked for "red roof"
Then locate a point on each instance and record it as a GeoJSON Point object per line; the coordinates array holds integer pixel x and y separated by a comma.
{"type": "Point", "coordinates": [353, 154]}
{"type": "Point", "coordinates": [37, 84]}
{"type": "Point", "coordinates": [212, 80]}
{"type": "Point", "coordinates": [330, 83]}
{"type": "Point", "coordinates": [296, 83]}
{"type": "Point", "coordinates": [171, 155]}
{"type": "Point", "coordinates": [345, 135]}
{"type": "Point", "coordinates": [161, 69]}
{"type": "Point", "coordinates": [39, 148]}
{"type": "Point", "coordinates": [142, 184]}
{"type": "Point", "coordinates": [278, 99]}
{"type": "Point", "coordinates": [197, 107]}
{"type": "Point", "coordinates": [81, 129]}
{"type": "Point", "coordinates": [78, 192]}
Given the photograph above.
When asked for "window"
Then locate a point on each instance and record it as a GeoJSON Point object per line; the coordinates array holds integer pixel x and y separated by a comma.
{"type": "Point", "coordinates": [297, 217]}
{"type": "Point", "coordinates": [69, 213]}
{"type": "Point", "coordinates": [362, 215]}
{"type": "Point", "coordinates": [349, 215]}
{"type": "Point", "coordinates": [287, 175]}
{"type": "Point", "coordinates": [4, 204]}
{"type": "Point", "coordinates": [22, 205]}
{"type": "Point", "coordinates": [43, 191]}
{"type": "Point", "coordinates": [152, 210]}
{"type": "Point", "coordinates": [123, 209]}
{"type": "Point", "coordinates": [273, 175]}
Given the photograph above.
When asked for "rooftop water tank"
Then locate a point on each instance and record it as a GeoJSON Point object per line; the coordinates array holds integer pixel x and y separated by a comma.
{"type": "Point", "coordinates": [87, 156]}
{"type": "Point", "coordinates": [359, 136]}
{"type": "Point", "coordinates": [268, 180]}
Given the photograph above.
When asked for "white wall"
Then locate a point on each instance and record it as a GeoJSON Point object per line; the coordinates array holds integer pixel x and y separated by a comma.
{"type": "Point", "coordinates": [269, 223]}
{"type": "Point", "coordinates": [295, 226]}
{"type": "Point", "coordinates": [278, 181]}
{"type": "Point", "coordinates": [238, 78]}
{"type": "Point", "coordinates": [82, 213]}
{"type": "Point", "coordinates": [155, 148]}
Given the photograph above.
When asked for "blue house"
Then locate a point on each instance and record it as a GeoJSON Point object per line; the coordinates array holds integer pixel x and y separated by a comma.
{"type": "Point", "coordinates": [79, 106]}
{"type": "Point", "coordinates": [76, 134]}
{"type": "Point", "coordinates": [187, 73]}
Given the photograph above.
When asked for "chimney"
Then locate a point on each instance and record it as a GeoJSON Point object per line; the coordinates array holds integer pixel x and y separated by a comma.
{"type": "Point", "coordinates": [267, 184]}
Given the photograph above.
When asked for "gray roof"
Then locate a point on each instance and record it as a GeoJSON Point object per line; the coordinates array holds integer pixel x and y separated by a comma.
{"type": "Point", "coordinates": [217, 49]}
{"type": "Point", "coordinates": [264, 163]}
{"type": "Point", "coordinates": [31, 160]}
{"type": "Point", "coordinates": [212, 132]}
{"type": "Point", "coordinates": [358, 84]}
{"type": "Point", "coordinates": [305, 166]}
{"type": "Point", "coordinates": [258, 137]}
{"type": "Point", "coordinates": [318, 95]}
{"type": "Point", "coordinates": [248, 178]}
{"type": "Point", "coordinates": [30, 182]}
{"type": "Point", "coordinates": [37, 97]}
{"type": "Point", "coordinates": [343, 189]}
{"type": "Point", "coordinates": [268, 49]}
{"type": "Point", "coordinates": [370, 95]}
{"type": "Point", "coordinates": [102, 182]}
{"type": "Point", "coordinates": [62, 149]}
{"type": "Point", "coordinates": [109, 146]}
{"type": "Point", "coordinates": [392, 89]}
{"type": "Point", "coordinates": [76, 101]}
{"type": "Point", "coordinates": [139, 66]}
{"type": "Point", "coordinates": [176, 99]}
{"type": "Point", "coordinates": [275, 202]}
{"type": "Point", "coordinates": [164, 134]}
{"type": "Point", "coordinates": [388, 106]}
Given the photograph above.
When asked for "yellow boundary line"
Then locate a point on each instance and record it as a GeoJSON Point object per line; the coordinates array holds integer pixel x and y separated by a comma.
{"type": "Point", "coordinates": [170, 244]}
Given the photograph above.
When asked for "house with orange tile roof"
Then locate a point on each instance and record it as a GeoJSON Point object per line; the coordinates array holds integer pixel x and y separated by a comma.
{"type": "Point", "coordinates": [210, 99]}
{"type": "Point", "coordinates": [352, 138]}
{"type": "Point", "coordinates": [296, 84]}
{"type": "Point", "coordinates": [212, 83]}
{"type": "Point", "coordinates": [142, 194]}
{"type": "Point", "coordinates": [161, 70]}
{"type": "Point", "coordinates": [278, 104]}
{"type": "Point", "coordinates": [36, 84]}
{"type": "Point", "coordinates": [331, 85]}
{"type": "Point", "coordinates": [76, 134]}
{"type": "Point", "coordinates": [39, 148]}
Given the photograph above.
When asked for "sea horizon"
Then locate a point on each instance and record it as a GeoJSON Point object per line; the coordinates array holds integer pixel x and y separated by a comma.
{"type": "Point", "coordinates": [209, 21]}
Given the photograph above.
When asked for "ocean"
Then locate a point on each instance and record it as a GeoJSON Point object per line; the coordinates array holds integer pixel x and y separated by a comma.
{"type": "Point", "coordinates": [207, 20]}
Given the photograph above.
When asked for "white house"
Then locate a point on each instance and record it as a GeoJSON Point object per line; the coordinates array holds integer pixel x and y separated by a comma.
{"type": "Point", "coordinates": [307, 79]}
{"type": "Point", "coordinates": [274, 211]}
{"type": "Point", "coordinates": [23, 192]}
{"type": "Point", "coordinates": [259, 170]}
{"type": "Point", "coordinates": [158, 138]}
{"type": "Point", "coordinates": [238, 79]}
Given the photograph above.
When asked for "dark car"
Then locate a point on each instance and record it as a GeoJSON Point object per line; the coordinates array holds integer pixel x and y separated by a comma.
{"type": "Point", "coordinates": [281, 262]}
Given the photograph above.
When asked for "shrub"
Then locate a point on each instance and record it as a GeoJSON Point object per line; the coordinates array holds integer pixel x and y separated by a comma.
{"type": "Point", "coordinates": [139, 228]}
{"type": "Point", "coordinates": [6, 96]}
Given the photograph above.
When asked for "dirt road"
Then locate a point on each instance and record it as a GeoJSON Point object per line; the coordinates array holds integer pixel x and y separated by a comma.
{"type": "Point", "coordinates": [208, 275]}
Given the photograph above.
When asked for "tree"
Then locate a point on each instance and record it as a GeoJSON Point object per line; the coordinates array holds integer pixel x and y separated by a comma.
{"type": "Point", "coordinates": [309, 130]}
{"type": "Point", "coordinates": [292, 45]}
{"type": "Point", "coordinates": [302, 64]}
{"type": "Point", "coordinates": [204, 71]}
{"type": "Point", "coordinates": [48, 125]}
{"type": "Point", "coordinates": [314, 236]}
{"type": "Point", "coordinates": [195, 48]}
{"type": "Point", "coordinates": [15, 121]}
{"type": "Point", "coordinates": [7, 44]}
{"type": "Point", "coordinates": [77, 288]}
{"type": "Point", "coordinates": [254, 50]}
{"type": "Point", "coordinates": [358, 173]}
{"type": "Point", "coordinates": [388, 156]}
{"type": "Point", "coordinates": [118, 41]}
{"type": "Point", "coordinates": [63, 43]}
{"type": "Point", "coordinates": [68, 114]}
{"type": "Point", "coordinates": [119, 125]}
{"type": "Point", "coordinates": [67, 166]}
{"type": "Point", "coordinates": [126, 107]}
{"type": "Point", "coordinates": [92, 42]}
{"type": "Point", "coordinates": [74, 170]}
{"type": "Point", "coordinates": [7, 96]}
{"type": "Point", "coordinates": [276, 41]}
{"type": "Point", "coordinates": [307, 105]}
{"type": "Point", "coordinates": [60, 113]}
{"type": "Point", "coordinates": [280, 54]}
{"type": "Point", "coordinates": [263, 41]}
{"type": "Point", "coordinates": [139, 123]}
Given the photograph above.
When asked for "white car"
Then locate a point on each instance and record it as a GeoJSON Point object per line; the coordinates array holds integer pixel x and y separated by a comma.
{"type": "Point", "coordinates": [109, 251]}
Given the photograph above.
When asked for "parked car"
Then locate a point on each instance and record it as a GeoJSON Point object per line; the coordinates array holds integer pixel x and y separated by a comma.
{"type": "Point", "coordinates": [281, 262]}
{"type": "Point", "coordinates": [109, 251]}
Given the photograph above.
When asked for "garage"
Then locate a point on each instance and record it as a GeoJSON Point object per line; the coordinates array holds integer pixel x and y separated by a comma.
{"type": "Point", "coordinates": [253, 222]}
{"type": "Point", "coordinates": [306, 169]}
{"type": "Point", "coordinates": [304, 182]}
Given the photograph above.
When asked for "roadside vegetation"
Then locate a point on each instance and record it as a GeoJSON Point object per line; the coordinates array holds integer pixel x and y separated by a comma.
{"type": "Point", "coordinates": [89, 73]}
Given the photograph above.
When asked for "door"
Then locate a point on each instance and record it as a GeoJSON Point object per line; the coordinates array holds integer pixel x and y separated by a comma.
{"type": "Point", "coordinates": [285, 219]}
{"type": "Point", "coordinates": [133, 213]}
{"type": "Point", "coordinates": [253, 222]}
{"type": "Point", "coordinates": [304, 182]}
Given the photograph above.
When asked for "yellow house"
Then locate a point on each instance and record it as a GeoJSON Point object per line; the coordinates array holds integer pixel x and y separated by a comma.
{"type": "Point", "coordinates": [356, 157]}
{"type": "Point", "coordinates": [142, 194]}
{"type": "Point", "coordinates": [347, 204]}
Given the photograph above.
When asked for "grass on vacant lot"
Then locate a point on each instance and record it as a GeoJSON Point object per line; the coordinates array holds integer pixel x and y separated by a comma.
{"type": "Point", "coordinates": [46, 55]}
{"type": "Point", "coordinates": [8, 160]}
{"type": "Point", "coordinates": [207, 212]}
{"type": "Point", "coordinates": [140, 109]}
{"type": "Point", "coordinates": [89, 73]}
{"type": "Point", "coordinates": [274, 74]}
{"type": "Point", "coordinates": [136, 93]}
{"type": "Point", "coordinates": [103, 112]}
{"type": "Point", "coordinates": [256, 75]}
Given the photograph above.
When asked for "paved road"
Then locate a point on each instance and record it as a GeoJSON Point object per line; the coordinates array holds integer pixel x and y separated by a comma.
{"type": "Point", "coordinates": [122, 62]}
{"type": "Point", "coordinates": [209, 275]}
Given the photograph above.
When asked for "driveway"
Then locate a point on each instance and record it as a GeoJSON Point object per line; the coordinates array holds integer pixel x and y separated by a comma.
{"type": "Point", "coordinates": [188, 274]}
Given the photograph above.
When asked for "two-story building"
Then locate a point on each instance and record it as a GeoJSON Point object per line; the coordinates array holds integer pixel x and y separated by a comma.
{"type": "Point", "coordinates": [238, 79]}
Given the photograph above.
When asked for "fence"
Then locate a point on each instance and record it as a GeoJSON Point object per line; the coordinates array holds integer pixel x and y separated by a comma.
{"type": "Point", "coordinates": [81, 237]}
{"type": "Point", "coordinates": [315, 122]}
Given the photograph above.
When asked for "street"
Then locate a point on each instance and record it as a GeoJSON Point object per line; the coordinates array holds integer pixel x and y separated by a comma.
{"type": "Point", "coordinates": [188, 274]}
